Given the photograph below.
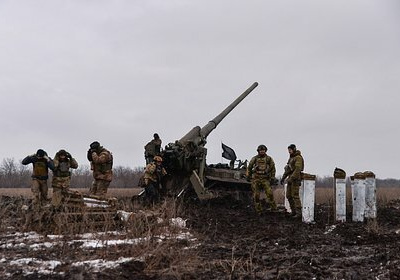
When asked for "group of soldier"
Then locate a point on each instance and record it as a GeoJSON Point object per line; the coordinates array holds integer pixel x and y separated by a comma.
{"type": "Point", "coordinates": [101, 161]}
{"type": "Point", "coordinates": [261, 172]}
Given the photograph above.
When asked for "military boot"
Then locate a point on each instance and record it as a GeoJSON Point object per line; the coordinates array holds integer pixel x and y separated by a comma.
{"type": "Point", "coordinates": [296, 213]}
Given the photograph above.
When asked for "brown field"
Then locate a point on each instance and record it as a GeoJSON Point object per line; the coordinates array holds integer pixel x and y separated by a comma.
{"type": "Point", "coordinates": [112, 192]}
{"type": "Point", "coordinates": [322, 195]}
{"type": "Point", "coordinates": [226, 240]}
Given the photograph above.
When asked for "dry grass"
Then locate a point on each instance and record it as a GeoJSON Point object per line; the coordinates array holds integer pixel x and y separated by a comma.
{"type": "Point", "coordinates": [112, 192]}
{"type": "Point", "coordinates": [322, 195]}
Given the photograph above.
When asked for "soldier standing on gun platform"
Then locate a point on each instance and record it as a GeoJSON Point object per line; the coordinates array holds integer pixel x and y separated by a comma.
{"type": "Point", "coordinates": [152, 149]}
{"type": "Point", "coordinates": [41, 165]}
{"type": "Point", "coordinates": [293, 169]}
{"type": "Point", "coordinates": [153, 175]}
{"type": "Point", "coordinates": [63, 161]}
{"type": "Point", "coordinates": [101, 162]}
{"type": "Point", "coordinates": [261, 172]}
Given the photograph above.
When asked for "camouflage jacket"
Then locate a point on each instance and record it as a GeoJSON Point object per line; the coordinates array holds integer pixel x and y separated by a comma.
{"type": "Point", "coordinates": [154, 173]}
{"type": "Point", "coordinates": [261, 167]}
{"type": "Point", "coordinates": [294, 167]}
{"type": "Point", "coordinates": [102, 164]}
{"type": "Point", "coordinates": [152, 148]}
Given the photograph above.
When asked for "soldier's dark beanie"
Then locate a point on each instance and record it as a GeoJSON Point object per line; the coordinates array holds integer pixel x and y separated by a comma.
{"type": "Point", "coordinates": [40, 153]}
{"type": "Point", "coordinates": [292, 147]}
{"type": "Point", "coordinates": [156, 136]}
{"type": "Point", "coordinates": [95, 145]}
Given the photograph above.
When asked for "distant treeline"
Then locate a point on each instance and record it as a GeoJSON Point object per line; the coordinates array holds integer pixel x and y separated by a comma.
{"type": "Point", "coordinates": [15, 175]}
{"type": "Point", "coordinates": [326, 182]}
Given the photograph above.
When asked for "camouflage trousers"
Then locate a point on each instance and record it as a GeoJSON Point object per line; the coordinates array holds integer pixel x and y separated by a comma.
{"type": "Point", "coordinates": [292, 195]}
{"type": "Point", "coordinates": [99, 187]}
{"type": "Point", "coordinates": [259, 185]}
{"type": "Point", "coordinates": [60, 185]}
{"type": "Point", "coordinates": [39, 189]}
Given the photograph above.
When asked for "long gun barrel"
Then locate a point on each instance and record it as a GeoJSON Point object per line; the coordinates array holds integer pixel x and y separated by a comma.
{"type": "Point", "coordinates": [197, 135]}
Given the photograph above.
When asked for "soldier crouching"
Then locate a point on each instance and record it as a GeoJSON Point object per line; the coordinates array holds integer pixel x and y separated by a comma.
{"type": "Point", "coordinates": [152, 179]}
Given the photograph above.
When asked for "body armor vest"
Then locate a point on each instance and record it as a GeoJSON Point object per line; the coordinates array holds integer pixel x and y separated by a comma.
{"type": "Point", "coordinates": [40, 168]}
{"type": "Point", "coordinates": [63, 169]}
{"type": "Point", "coordinates": [262, 166]}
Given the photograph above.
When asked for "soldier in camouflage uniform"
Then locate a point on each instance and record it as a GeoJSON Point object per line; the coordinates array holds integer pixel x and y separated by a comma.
{"type": "Point", "coordinates": [293, 171]}
{"type": "Point", "coordinates": [153, 175]}
{"type": "Point", "coordinates": [101, 162]}
{"type": "Point", "coordinates": [41, 165]}
{"type": "Point", "coordinates": [261, 172]}
{"type": "Point", "coordinates": [152, 149]}
{"type": "Point", "coordinates": [63, 161]}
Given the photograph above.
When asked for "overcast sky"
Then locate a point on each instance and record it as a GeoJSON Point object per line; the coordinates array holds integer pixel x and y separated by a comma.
{"type": "Point", "coordinates": [72, 72]}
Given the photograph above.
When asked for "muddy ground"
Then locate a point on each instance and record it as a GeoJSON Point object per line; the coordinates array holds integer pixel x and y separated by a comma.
{"type": "Point", "coordinates": [229, 241]}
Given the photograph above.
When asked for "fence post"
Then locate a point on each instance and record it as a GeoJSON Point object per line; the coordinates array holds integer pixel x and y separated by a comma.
{"type": "Point", "coordinates": [339, 176]}
{"type": "Point", "coordinates": [307, 196]}
{"type": "Point", "coordinates": [286, 201]}
{"type": "Point", "coordinates": [359, 197]}
{"type": "Point", "coordinates": [370, 195]}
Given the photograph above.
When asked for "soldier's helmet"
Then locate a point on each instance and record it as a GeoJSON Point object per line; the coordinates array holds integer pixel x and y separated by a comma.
{"type": "Point", "coordinates": [292, 147]}
{"type": "Point", "coordinates": [40, 153]}
{"type": "Point", "coordinates": [262, 147]}
{"type": "Point", "coordinates": [156, 136]}
{"type": "Point", "coordinates": [157, 158]}
{"type": "Point", "coordinates": [95, 145]}
{"type": "Point", "coordinates": [62, 153]}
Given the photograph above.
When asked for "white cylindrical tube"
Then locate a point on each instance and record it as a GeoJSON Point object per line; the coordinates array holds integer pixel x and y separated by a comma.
{"type": "Point", "coordinates": [339, 176]}
{"type": "Point", "coordinates": [370, 195]}
{"type": "Point", "coordinates": [340, 197]}
{"type": "Point", "coordinates": [286, 203]}
{"type": "Point", "coordinates": [359, 197]}
{"type": "Point", "coordinates": [307, 197]}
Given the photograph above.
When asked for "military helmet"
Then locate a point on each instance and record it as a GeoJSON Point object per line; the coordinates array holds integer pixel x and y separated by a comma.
{"type": "Point", "coordinates": [262, 147]}
{"type": "Point", "coordinates": [157, 158]}
{"type": "Point", "coordinates": [95, 145]}
{"type": "Point", "coordinates": [62, 152]}
{"type": "Point", "coordinates": [292, 147]}
{"type": "Point", "coordinates": [40, 153]}
{"type": "Point", "coordinates": [156, 136]}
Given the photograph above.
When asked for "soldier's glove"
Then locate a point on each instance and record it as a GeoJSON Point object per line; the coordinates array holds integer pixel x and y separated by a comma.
{"type": "Point", "coordinates": [89, 155]}
{"type": "Point", "coordinates": [68, 155]}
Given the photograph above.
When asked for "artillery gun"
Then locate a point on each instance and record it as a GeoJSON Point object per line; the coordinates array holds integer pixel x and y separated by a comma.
{"type": "Point", "coordinates": [185, 161]}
